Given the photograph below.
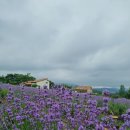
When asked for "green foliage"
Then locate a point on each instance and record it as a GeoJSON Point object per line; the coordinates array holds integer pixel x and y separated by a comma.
{"type": "Point", "coordinates": [115, 95]}
{"type": "Point", "coordinates": [3, 93]}
{"type": "Point", "coordinates": [34, 85]}
{"type": "Point", "coordinates": [67, 86]}
{"type": "Point", "coordinates": [2, 79]}
{"type": "Point", "coordinates": [128, 94]}
{"type": "Point", "coordinates": [99, 103]}
{"type": "Point", "coordinates": [51, 84]}
{"type": "Point", "coordinates": [117, 109]}
{"type": "Point", "coordinates": [97, 92]}
{"type": "Point", "coordinates": [122, 91]}
{"type": "Point", "coordinates": [16, 79]}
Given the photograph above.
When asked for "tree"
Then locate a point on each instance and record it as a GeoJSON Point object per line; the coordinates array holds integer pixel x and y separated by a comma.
{"type": "Point", "coordinates": [2, 79]}
{"type": "Point", "coordinates": [122, 91]}
{"type": "Point", "coordinates": [51, 84]}
{"type": "Point", "coordinates": [67, 86]}
{"type": "Point", "coordinates": [16, 79]}
{"type": "Point", "coordinates": [34, 85]}
{"type": "Point", "coordinates": [128, 94]}
{"type": "Point", "coordinates": [98, 92]}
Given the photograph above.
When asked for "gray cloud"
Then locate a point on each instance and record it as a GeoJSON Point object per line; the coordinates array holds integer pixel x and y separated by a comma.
{"type": "Point", "coordinates": [74, 41]}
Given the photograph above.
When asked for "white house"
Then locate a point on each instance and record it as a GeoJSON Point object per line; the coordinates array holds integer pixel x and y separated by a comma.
{"type": "Point", "coordinates": [42, 83]}
{"type": "Point", "coordinates": [39, 83]}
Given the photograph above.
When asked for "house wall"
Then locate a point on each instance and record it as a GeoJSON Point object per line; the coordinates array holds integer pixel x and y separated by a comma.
{"type": "Point", "coordinates": [43, 83]}
{"type": "Point", "coordinates": [89, 90]}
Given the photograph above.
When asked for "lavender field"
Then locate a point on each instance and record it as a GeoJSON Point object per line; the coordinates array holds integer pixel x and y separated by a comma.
{"type": "Point", "coordinates": [27, 108]}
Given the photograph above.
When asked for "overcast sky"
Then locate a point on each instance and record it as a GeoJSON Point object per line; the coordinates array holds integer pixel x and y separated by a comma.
{"type": "Point", "coordinates": [73, 41]}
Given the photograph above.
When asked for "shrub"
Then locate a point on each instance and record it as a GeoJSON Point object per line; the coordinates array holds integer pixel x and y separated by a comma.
{"type": "Point", "coordinates": [117, 108]}
{"type": "Point", "coordinates": [3, 93]}
{"type": "Point", "coordinates": [34, 85]}
{"type": "Point", "coordinates": [115, 95]}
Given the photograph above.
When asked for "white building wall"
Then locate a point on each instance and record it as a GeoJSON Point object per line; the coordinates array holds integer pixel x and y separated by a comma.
{"type": "Point", "coordinates": [43, 83]}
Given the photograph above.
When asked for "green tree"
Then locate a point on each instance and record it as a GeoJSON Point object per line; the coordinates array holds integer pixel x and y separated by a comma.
{"type": "Point", "coordinates": [34, 85]}
{"type": "Point", "coordinates": [16, 79]}
{"type": "Point", "coordinates": [122, 91]}
{"type": "Point", "coordinates": [51, 84]}
{"type": "Point", "coordinates": [97, 92]}
{"type": "Point", "coordinates": [67, 86]}
{"type": "Point", "coordinates": [128, 94]}
{"type": "Point", "coordinates": [2, 79]}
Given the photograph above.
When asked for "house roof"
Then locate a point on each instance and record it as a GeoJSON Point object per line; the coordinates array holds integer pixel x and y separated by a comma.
{"type": "Point", "coordinates": [35, 81]}
{"type": "Point", "coordinates": [28, 83]}
{"type": "Point", "coordinates": [83, 88]}
{"type": "Point", "coordinates": [39, 80]}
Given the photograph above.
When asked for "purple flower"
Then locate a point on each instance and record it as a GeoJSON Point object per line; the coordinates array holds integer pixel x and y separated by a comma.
{"type": "Point", "coordinates": [128, 111]}
{"type": "Point", "coordinates": [99, 127]}
{"type": "Point", "coordinates": [106, 93]}
{"type": "Point", "coordinates": [105, 99]}
{"type": "Point", "coordinates": [18, 118]}
{"type": "Point", "coordinates": [81, 128]}
{"type": "Point", "coordinates": [60, 125]}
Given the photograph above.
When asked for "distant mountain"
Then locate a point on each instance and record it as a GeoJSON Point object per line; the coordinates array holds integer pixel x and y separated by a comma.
{"type": "Point", "coordinates": [111, 89]}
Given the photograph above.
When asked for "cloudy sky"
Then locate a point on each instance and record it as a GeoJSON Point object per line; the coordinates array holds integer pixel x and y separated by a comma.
{"type": "Point", "coordinates": [73, 41]}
